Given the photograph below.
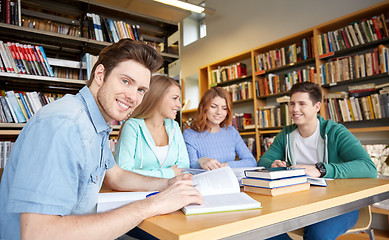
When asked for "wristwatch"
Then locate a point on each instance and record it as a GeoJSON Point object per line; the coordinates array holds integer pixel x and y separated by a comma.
{"type": "Point", "coordinates": [322, 169]}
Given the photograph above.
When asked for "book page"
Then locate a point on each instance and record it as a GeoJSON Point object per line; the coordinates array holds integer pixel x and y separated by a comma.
{"type": "Point", "coordinates": [218, 181]}
{"type": "Point", "coordinates": [112, 200]}
{"type": "Point", "coordinates": [223, 203]}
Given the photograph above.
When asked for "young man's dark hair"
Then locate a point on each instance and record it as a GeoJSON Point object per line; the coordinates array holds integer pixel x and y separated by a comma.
{"type": "Point", "coordinates": [127, 49]}
{"type": "Point", "coordinates": [312, 89]}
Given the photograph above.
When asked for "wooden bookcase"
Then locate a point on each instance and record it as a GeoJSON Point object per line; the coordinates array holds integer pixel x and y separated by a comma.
{"type": "Point", "coordinates": [66, 50]}
{"type": "Point", "coordinates": [314, 61]}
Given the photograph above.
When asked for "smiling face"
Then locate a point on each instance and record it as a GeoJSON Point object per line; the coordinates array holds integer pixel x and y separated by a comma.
{"type": "Point", "coordinates": [302, 110]}
{"type": "Point", "coordinates": [121, 91]}
{"type": "Point", "coordinates": [171, 102]}
{"type": "Point", "coordinates": [217, 112]}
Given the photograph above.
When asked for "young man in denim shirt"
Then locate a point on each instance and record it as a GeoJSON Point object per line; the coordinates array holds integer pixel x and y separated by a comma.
{"type": "Point", "coordinates": [58, 163]}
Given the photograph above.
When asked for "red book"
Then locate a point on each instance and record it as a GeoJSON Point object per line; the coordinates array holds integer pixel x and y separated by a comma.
{"type": "Point", "coordinates": [345, 38]}
{"type": "Point", "coordinates": [377, 30]}
{"type": "Point", "coordinates": [23, 58]}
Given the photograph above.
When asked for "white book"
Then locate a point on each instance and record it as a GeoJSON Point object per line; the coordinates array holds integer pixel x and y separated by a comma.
{"type": "Point", "coordinates": [11, 110]}
{"type": "Point", "coordinates": [219, 188]}
{"type": "Point", "coordinates": [113, 200]}
{"type": "Point", "coordinates": [221, 193]}
{"type": "Point", "coordinates": [35, 99]}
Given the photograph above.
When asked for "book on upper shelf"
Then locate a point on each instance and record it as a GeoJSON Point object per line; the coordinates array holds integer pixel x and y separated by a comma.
{"type": "Point", "coordinates": [221, 193]}
{"type": "Point", "coordinates": [278, 191]}
{"type": "Point", "coordinates": [275, 173]}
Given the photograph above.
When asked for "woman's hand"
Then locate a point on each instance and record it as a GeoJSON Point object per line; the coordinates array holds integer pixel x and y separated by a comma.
{"type": "Point", "coordinates": [210, 164]}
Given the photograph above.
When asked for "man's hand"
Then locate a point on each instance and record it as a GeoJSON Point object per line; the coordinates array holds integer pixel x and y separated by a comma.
{"type": "Point", "coordinates": [179, 194]}
{"type": "Point", "coordinates": [209, 163]}
{"type": "Point", "coordinates": [177, 171]}
{"type": "Point", "coordinates": [278, 163]}
{"type": "Point", "coordinates": [310, 170]}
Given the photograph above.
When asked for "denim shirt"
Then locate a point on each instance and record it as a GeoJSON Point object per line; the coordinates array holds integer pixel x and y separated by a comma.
{"type": "Point", "coordinates": [57, 164]}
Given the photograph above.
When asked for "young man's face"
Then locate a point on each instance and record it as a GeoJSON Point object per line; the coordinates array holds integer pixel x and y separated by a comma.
{"type": "Point", "coordinates": [302, 110]}
{"type": "Point", "coordinates": [217, 112]}
{"type": "Point", "coordinates": [170, 103]}
{"type": "Point", "coordinates": [123, 90]}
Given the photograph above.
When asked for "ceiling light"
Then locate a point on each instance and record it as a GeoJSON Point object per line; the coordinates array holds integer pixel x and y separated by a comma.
{"type": "Point", "coordinates": [183, 5]}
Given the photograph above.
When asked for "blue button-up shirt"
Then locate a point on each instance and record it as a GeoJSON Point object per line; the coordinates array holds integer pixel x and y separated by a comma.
{"type": "Point", "coordinates": [57, 164]}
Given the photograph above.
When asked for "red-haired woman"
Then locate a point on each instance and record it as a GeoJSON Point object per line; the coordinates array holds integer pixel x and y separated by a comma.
{"type": "Point", "coordinates": [211, 142]}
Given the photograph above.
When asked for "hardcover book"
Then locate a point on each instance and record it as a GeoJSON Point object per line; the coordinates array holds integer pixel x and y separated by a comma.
{"type": "Point", "coordinates": [268, 183]}
{"type": "Point", "coordinates": [275, 173]}
{"type": "Point", "coordinates": [277, 191]}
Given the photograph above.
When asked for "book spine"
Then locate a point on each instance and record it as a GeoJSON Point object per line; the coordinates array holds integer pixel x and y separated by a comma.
{"type": "Point", "coordinates": [42, 54]}
{"type": "Point", "coordinates": [15, 106]}
{"type": "Point", "coordinates": [6, 109]}
{"type": "Point", "coordinates": [11, 109]}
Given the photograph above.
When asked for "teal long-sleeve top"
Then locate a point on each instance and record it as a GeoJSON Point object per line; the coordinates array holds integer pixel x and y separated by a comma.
{"type": "Point", "coordinates": [136, 149]}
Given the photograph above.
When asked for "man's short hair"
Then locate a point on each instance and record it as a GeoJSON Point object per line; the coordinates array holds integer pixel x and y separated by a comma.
{"type": "Point", "coordinates": [127, 49]}
{"type": "Point", "coordinates": [312, 89]}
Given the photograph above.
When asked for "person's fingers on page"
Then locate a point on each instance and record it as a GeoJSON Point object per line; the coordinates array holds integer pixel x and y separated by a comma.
{"type": "Point", "coordinates": [278, 163]}
{"type": "Point", "coordinates": [184, 178]}
{"type": "Point", "coordinates": [174, 198]}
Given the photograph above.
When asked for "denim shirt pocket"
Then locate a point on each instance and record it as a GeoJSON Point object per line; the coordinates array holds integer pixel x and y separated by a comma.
{"type": "Point", "coordinates": [88, 201]}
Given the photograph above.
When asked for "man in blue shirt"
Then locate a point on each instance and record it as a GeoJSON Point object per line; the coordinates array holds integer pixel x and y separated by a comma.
{"type": "Point", "coordinates": [61, 157]}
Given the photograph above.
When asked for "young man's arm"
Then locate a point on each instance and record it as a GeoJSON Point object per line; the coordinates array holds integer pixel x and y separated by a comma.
{"type": "Point", "coordinates": [112, 224]}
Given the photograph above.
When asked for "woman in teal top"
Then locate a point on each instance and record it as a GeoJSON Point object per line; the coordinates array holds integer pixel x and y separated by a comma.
{"type": "Point", "coordinates": [151, 142]}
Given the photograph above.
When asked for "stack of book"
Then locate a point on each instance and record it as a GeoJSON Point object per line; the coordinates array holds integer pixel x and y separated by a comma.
{"type": "Point", "coordinates": [275, 181]}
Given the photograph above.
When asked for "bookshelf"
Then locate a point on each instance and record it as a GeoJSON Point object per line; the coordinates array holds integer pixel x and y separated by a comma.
{"type": "Point", "coordinates": [268, 61]}
{"type": "Point", "coordinates": [65, 49]}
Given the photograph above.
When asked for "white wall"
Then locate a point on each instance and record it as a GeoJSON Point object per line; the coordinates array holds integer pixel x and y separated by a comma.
{"type": "Point", "coordinates": [241, 25]}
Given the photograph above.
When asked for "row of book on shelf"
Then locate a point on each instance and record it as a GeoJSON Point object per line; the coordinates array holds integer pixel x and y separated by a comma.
{"type": "Point", "coordinates": [108, 30]}
{"type": "Point", "coordinates": [356, 66]}
{"type": "Point", "coordinates": [274, 115]}
{"type": "Point", "coordinates": [5, 149]}
{"type": "Point", "coordinates": [24, 59]}
{"type": "Point", "coordinates": [354, 34]}
{"type": "Point", "coordinates": [242, 120]}
{"type": "Point", "coordinates": [227, 73]}
{"type": "Point", "coordinates": [364, 103]}
{"type": "Point", "coordinates": [240, 91]}
{"type": "Point", "coordinates": [18, 107]}
{"type": "Point", "coordinates": [297, 52]}
{"type": "Point", "coordinates": [277, 83]}
{"type": "Point", "coordinates": [10, 11]}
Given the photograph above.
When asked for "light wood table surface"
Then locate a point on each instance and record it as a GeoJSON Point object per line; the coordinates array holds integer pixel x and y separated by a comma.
{"type": "Point", "coordinates": [279, 214]}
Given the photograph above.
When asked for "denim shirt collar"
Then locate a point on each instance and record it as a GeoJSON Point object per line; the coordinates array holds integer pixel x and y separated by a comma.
{"type": "Point", "coordinates": [97, 118]}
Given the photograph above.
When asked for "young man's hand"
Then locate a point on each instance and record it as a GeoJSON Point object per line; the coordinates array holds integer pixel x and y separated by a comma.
{"type": "Point", "coordinates": [278, 163]}
{"type": "Point", "coordinates": [310, 170]}
{"type": "Point", "coordinates": [178, 194]}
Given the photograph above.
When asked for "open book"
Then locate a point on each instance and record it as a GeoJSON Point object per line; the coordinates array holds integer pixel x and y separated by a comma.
{"type": "Point", "coordinates": [221, 193]}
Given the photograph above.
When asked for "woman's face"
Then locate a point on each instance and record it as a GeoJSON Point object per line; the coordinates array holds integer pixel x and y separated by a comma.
{"type": "Point", "coordinates": [217, 112]}
{"type": "Point", "coordinates": [171, 102]}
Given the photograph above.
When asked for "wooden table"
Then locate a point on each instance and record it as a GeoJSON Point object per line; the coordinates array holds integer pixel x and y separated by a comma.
{"type": "Point", "coordinates": [279, 214]}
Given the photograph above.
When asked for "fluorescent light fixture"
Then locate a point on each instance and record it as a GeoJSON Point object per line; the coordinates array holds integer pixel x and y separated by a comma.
{"type": "Point", "coordinates": [183, 5]}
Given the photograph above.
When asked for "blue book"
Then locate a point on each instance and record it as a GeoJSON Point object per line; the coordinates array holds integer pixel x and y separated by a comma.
{"type": "Point", "coordinates": [275, 173]}
{"type": "Point", "coordinates": [269, 183]}
{"type": "Point", "coordinates": [15, 106]}
{"type": "Point", "coordinates": [46, 62]}
{"type": "Point", "coordinates": [25, 104]}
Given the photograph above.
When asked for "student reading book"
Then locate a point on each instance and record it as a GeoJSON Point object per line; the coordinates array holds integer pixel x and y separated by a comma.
{"type": "Point", "coordinates": [324, 148]}
{"type": "Point", "coordinates": [221, 192]}
{"type": "Point", "coordinates": [212, 142]}
{"type": "Point", "coordinates": [219, 188]}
